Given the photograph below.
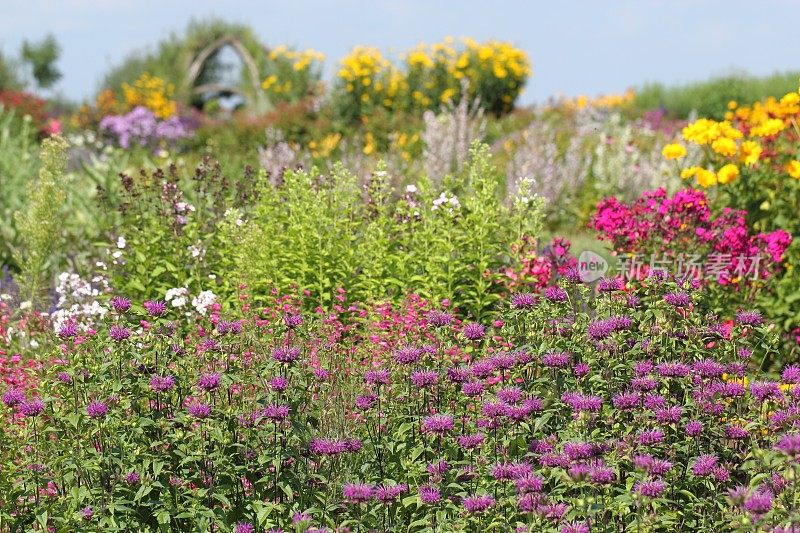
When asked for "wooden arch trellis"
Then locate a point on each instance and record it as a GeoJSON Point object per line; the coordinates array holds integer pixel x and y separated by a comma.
{"type": "Point", "coordinates": [252, 93]}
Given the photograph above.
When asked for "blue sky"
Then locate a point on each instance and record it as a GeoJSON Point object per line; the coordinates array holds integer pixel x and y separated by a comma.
{"type": "Point", "coordinates": [576, 47]}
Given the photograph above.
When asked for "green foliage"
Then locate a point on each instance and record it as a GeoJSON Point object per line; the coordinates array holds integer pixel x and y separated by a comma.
{"type": "Point", "coordinates": [710, 98]}
{"type": "Point", "coordinates": [18, 166]}
{"type": "Point", "coordinates": [42, 56]}
{"type": "Point", "coordinates": [321, 233]}
{"type": "Point", "coordinates": [39, 221]}
{"type": "Point", "coordinates": [9, 75]}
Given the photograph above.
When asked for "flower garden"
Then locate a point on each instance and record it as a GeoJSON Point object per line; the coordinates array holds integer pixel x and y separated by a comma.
{"type": "Point", "coordinates": [371, 303]}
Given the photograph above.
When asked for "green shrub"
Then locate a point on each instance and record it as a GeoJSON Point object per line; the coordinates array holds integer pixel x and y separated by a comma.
{"type": "Point", "coordinates": [710, 98]}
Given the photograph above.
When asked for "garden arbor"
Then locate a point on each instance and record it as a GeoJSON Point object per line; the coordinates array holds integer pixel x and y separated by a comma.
{"type": "Point", "coordinates": [249, 52]}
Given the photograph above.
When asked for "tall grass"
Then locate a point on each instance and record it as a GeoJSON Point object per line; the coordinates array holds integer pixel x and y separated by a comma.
{"type": "Point", "coordinates": [710, 97]}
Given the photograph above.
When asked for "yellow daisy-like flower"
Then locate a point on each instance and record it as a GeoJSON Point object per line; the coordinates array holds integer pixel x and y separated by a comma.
{"type": "Point", "coordinates": [728, 173]}
{"type": "Point", "coordinates": [767, 128]}
{"type": "Point", "coordinates": [706, 178]}
{"type": "Point", "coordinates": [749, 153]}
{"type": "Point", "coordinates": [673, 151]}
{"type": "Point", "coordinates": [724, 146]}
{"type": "Point", "coordinates": [793, 168]}
{"type": "Point", "coordinates": [690, 172]}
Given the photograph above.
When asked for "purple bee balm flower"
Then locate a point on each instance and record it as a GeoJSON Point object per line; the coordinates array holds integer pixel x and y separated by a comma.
{"type": "Point", "coordinates": [749, 318]}
{"type": "Point", "coordinates": [581, 370]}
{"type": "Point", "coordinates": [556, 294]}
{"type": "Point", "coordinates": [333, 446]}
{"type": "Point", "coordinates": [438, 469]}
{"type": "Point", "coordinates": [13, 397]}
{"type": "Point", "coordinates": [473, 331]}
{"type": "Point", "coordinates": [120, 304]}
{"type": "Point", "coordinates": [472, 388]}
{"type": "Point", "coordinates": [759, 503]}
{"type": "Point", "coordinates": [366, 401]}
{"type": "Point", "coordinates": [292, 320]}
{"type": "Point", "coordinates": [575, 527]}
{"type": "Point", "coordinates": [407, 355]}
{"type": "Point", "coordinates": [380, 376]}
{"type": "Point", "coordinates": [357, 492]}
{"type": "Point", "coordinates": [477, 504]}
{"type": "Point", "coordinates": [96, 409]}
{"type": "Point", "coordinates": [424, 378]}
{"type": "Point", "coordinates": [510, 395]}
{"type": "Point", "coordinates": [438, 423]}
{"type": "Point", "coordinates": [693, 428]}
{"type": "Point", "coordinates": [132, 478]}
{"type": "Point", "coordinates": [654, 436]}
{"type": "Point", "coordinates": [388, 493]}
{"type": "Point", "coordinates": [162, 383]}
{"type": "Point", "coordinates": [439, 319]}
{"type": "Point", "coordinates": [791, 374]}
{"type": "Point", "coordinates": [286, 354]}
{"type": "Point", "coordinates": [678, 299]}
{"type": "Point", "coordinates": [119, 333]}
{"type": "Point", "coordinates": [529, 484]}
{"type": "Point", "coordinates": [86, 514]}
{"type": "Point", "coordinates": [669, 415]}
{"type": "Point", "coordinates": [31, 408]}
{"type": "Point", "coordinates": [469, 442]}
{"type": "Point", "coordinates": [602, 475]}
{"type": "Point", "coordinates": [155, 308]}
{"type": "Point", "coordinates": [573, 275]}
{"type": "Point", "coordinates": [482, 369]}
{"type": "Point", "coordinates": [68, 330]}
{"type": "Point", "coordinates": [279, 383]}
{"type": "Point", "coordinates": [209, 382]}
{"type": "Point", "coordinates": [581, 402]}
{"type": "Point", "coordinates": [64, 378]}
{"type": "Point", "coordinates": [790, 445]}
{"type": "Point", "coordinates": [556, 359]}
{"type": "Point", "coordinates": [199, 410]}
{"type": "Point", "coordinates": [627, 400]}
{"type": "Point", "coordinates": [276, 412]}
{"type": "Point", "coordinates": [610, 285]}
{"type": "Point", "coordinates": [736, 432]}
{"type": "Point", "coordinates": [766, 390]}
{"type": "Point", "coordinates": [705, 464]}
{"type": "Point", "coordinates": [650, 489]}
{"type": "Point", "coordinates": [429, 495]}
{"type": "Point", "coordinates": [244, 527]}
{"type": "Point", "coordinates": [523, 300]}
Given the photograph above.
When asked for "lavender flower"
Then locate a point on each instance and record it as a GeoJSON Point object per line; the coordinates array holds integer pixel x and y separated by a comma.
{"type": "Point", "coordinates": [286, 354]}
{"type": "Point", "coordinates": [473, 331]}
{"type": "Point", "coordinates": [477, 504]}
{"type": "Point", "coordinates": [650, 489]}
{"type": "Point", "coordinates": [199, 410]}
{"type": "Point", "coordinates": [438, 423]}
{"type": "Point", "coordinates": [523, 300]}
{"type": "Point", "coordinates": [209, 382]}
{"type": "Point", "coordinates": [119, 333]}
{"type": "Point", "coordinates": [120, 304]}
{"type": "Point", "coordinates": [96, 409]}
{"type": "Point", "coordinates": [162, 383]}
{"type": "Point", "coordinates": [357, 492]}
{"type": "Point", "coordinates": [13, 397]}
{"type": "Point", "coordinates": [429, 494]}
{"type": "Point", "coordinates": [31, 408]}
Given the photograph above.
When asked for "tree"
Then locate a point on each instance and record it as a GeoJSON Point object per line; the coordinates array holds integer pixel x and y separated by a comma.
{"type": "Point", "coordinates": [42, 56]}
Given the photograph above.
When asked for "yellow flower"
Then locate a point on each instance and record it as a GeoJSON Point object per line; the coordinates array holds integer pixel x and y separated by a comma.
{"type": "Point", "coordinates": [749, 153]}
{"type": "Point", "coordinates": [701, 131]}
{"type": "Point", "coordinates": [724, 146]}
{"type": "Point", "coordinates": [690, 172]}
{"type": "Point", "coordinates": [793, 168]}
{"type": "Point", "coordinates": [767, 128]}
{"type": "Point", "coordinates": [728, 173]}
{"type": "Point", "coordinates": [673, 151]}
{"type": "Point", "coordinates": [706, 178]}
